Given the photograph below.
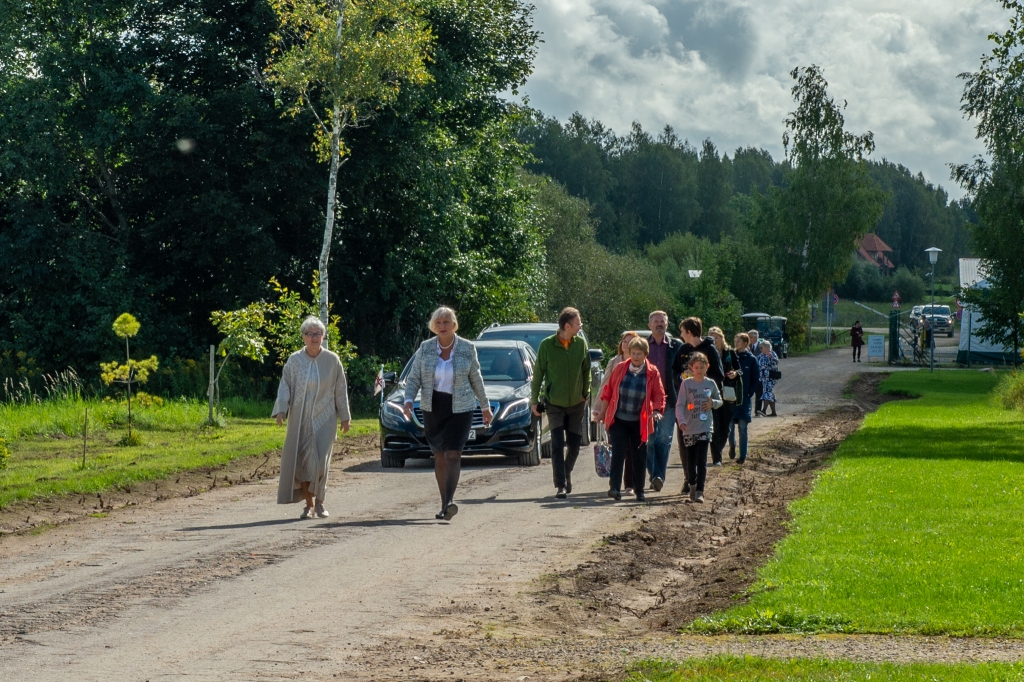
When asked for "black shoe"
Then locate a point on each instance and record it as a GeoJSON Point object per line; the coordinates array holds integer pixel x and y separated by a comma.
{"type": "Point", "coordinates": [657, 484]}
{"type": "Point", "coordinates": [451, 511]}
{"type": "Point", "coordinates": [686, 489]}
{"type": "Point", "coordinates": [741, 460]}
{"type": "Point", "coordinates": [439, 515]}
{"type": "Point", "coordinates": [615, 495]}
{"type": "Point", "coordinates": [568, 482]}
{"type": "Point", "coordinates": [640, 497]}
{"type": "Point", "coordinates": [560, 494]}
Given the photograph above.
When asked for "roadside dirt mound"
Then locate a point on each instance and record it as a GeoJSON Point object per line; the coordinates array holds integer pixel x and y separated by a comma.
{"type": "Point", "coordinates": [38, 515]}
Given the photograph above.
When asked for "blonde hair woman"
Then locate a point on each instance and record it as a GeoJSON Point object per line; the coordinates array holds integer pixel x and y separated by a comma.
{"type": "Point", "coordinates": [446, 371]}
{"type": "Point", "coordinates": [313, 397]}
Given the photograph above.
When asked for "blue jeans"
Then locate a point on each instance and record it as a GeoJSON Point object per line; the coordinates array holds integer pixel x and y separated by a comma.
{"type": "Point", "coordinates": [740, 418]}
{"type": "Point", "coordinates": [659, 444]}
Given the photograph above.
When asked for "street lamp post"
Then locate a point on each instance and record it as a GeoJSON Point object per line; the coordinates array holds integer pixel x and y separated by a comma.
{"type": "Point", "coordinates": [695, 274]}
{"type": "Point", "coordinates": [933, 255]}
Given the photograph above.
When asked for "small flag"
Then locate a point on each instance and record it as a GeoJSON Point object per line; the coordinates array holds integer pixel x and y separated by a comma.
{"type": "Point", "coordinates": [378, 384]}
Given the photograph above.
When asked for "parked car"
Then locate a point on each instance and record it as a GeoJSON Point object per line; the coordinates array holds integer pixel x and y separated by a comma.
{"type": "Point", "coordinates": [507, 369]}
{"type": "Point", "coordinates": [915, 316]}
{"type": "Point", "coordinates": [535, 332]}
{"type": "Point", "coordinates": [771, 327]}
{"type": "Point", "coordinates": [940, 317]}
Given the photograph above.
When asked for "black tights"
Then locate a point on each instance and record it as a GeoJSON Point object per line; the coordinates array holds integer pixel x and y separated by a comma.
{"type": "Point", "coordinates": [562, 462]}
{"type": "Point", "coordinates": [447, 468]}
{"type": "Point", "coordinates": [856, 353]}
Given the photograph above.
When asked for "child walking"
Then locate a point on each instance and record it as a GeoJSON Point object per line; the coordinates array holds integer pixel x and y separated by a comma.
{"type": "Point", "coordinates": [698, 397]}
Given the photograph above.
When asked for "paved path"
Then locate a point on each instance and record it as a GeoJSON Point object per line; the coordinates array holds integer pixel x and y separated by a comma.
{"type": "Point", "coordinates": [230, 586]}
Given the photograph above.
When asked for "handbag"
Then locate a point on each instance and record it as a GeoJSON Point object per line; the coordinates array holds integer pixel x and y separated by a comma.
{"type": "Point", "coordinates": [774, 374]}
{"type": "Point", "coordinates": [603, 459]}
{"type": "Point", "coordinates": [729, 394]}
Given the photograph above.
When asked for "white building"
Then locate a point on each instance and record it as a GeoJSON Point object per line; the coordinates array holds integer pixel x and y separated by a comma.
{"type": "Point", "coordinates": [972, 348]}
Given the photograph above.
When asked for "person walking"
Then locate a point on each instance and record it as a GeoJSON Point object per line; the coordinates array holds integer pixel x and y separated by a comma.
{"type": "Point", "coordinates": [698, 398]}
{"type": "Point", "coordinates": [731, 379]}
{"type": "Point", "coordinates": [768, 362]}
{"type": "Point", "coordinates": [633, 403]}
{"type": "Point", "coordinates": [313, 398]}
{"type": "Point", "coordinates": [446, 372]}
{"type": "Point", "coordinates": [600, 405]}
{"type": "Point", "coordinates": [691, 330]}
{"type": "Point", "coordinates": [755, 349]}
{"type": "Point", "coordinates": [563, 371]}
{"type": "Point", "coordinates": [750, 373]}
{"type": "Point", "coordinates": [663, 352]}
{"type": "Point", "coordinates": [856, 339]}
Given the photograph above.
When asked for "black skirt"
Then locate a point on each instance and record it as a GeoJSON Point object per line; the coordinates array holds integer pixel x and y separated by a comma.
{"type": "Point", "coordinates": [446, 431]}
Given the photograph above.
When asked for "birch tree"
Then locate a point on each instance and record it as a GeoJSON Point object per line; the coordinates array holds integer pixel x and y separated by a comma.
{"type": "Point", "coordinates": [343, 60]}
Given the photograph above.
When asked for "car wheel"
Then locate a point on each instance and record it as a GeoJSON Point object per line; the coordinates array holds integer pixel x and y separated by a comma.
{"type": "Point", "coordinates": [391, 461]}
{"type": "Point", "coordinates": [532, 457]}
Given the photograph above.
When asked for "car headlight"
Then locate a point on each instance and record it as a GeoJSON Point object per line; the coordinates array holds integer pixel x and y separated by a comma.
{"type": "Point", "coordinates": [394, 412]}
{"type": "Point", "coordinates": [515, 409]}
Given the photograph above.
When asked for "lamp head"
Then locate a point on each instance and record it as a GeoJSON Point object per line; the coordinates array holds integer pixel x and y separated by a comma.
{"type": "Point", "coordinates": [933, 254]}
{"type": "Point", "coordinates": [695, 274]}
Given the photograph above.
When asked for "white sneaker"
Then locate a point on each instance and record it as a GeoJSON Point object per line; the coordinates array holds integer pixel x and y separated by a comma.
{"type": "Point", "coordinates": [320, 511]}
{"type": "Point", "coordinates": [307, 513]}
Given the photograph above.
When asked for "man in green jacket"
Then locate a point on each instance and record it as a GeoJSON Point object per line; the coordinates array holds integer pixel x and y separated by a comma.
{"type": "Point", "coordinates": [563, 369]}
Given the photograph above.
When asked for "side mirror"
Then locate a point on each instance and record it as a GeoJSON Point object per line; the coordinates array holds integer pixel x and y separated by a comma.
{"type": "Point", "coordinates": [596, 355]}
{"type": "Point", "coordinates": [390, 377]}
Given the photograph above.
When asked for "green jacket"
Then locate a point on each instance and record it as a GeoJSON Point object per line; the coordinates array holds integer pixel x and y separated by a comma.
{"type": "Point", "coordinates": [564, 373]}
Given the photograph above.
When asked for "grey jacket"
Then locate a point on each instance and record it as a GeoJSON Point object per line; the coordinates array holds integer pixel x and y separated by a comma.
{"type": "Point", "coordinates": [468, 383]}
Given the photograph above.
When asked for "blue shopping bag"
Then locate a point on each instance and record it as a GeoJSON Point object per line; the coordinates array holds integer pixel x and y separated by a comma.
{"type": "Point", "coordinates": [603, 459]}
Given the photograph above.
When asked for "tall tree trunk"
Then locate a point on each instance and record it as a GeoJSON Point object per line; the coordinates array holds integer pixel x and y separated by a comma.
{"type": "Point", "coordinates": [332, 184]}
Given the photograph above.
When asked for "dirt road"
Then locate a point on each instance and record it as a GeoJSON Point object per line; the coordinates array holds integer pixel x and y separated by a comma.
{"type": "Point", "coordinates": [230, 586]}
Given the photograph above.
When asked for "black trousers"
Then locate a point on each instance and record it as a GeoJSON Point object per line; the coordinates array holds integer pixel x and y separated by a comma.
{"type": "Point", "coordinates": [563, 462]}
{"type": "Point", "coordinates": [696, 463]}
{"type": "Point", "coordinates": [721, 418]}
{"type": "Point", "coordinates": [624, 438]}
{"type": "Point", "coordinates": [856, 352]}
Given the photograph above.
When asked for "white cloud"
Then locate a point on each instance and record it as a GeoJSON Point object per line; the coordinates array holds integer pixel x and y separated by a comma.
{"type": "Point", "coordinates": [720, 68]}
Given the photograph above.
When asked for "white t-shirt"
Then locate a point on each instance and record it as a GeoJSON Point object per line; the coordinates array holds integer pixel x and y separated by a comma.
{"type": "Point", "coordinates": [444, 375]}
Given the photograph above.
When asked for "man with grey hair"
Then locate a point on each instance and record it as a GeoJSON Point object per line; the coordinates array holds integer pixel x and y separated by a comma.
{"type": "Point", "coordinates": [662, 355]}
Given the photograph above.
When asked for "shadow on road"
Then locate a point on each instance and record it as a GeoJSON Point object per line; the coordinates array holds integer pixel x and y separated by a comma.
{"type": "Point", "coordinates": [236, 526]}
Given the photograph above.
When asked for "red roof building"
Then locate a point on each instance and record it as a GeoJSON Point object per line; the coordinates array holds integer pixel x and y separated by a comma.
{"type": "Point", "coordinates": [872, 249]}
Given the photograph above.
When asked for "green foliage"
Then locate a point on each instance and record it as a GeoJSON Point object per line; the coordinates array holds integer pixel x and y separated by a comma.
{"type": "Point", "coordinates": [281, 320]}
{"type": "Point", "coordinates": [911, 287]}
{"type": "Point", "coordinates": [925, 498]}
{"type": "Point", "coordinates": [728, 668]}
{"type": "Point", "coordinates": [1010, 391]}
{"type": "Point", "coordinates": [5, 450]}
{"type": "Point", "coordinates": [126, 326]}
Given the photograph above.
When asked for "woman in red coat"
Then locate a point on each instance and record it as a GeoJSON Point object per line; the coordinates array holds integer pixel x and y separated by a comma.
{"type": "Point", "coordinates": [857, 340]}
{"type": "Point", "coordinates": [632, 401]}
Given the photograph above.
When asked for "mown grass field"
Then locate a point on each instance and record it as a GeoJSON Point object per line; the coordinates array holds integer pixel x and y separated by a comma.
{"type": "Point", "coordinates": [751, 669]}
{"type": "Point", "coordinates": [46, 443]}
{"type": "Point", "coordinates": [915, 527]}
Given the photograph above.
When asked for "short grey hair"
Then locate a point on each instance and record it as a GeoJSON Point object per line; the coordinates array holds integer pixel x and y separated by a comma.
{"type": "Point", "coordinates": [311, 322]}
{"type": "Point", "coordinates": [764, 342]}
{"type": "Point", "coordinates": [445, 312]}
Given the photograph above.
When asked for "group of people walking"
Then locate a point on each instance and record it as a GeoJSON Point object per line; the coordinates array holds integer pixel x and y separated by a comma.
{"type": "Point", "coordinates": [696, 386]}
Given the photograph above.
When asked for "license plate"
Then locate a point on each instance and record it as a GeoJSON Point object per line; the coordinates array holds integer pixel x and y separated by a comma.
{"type": "Point", "coordinates": [472, 434]}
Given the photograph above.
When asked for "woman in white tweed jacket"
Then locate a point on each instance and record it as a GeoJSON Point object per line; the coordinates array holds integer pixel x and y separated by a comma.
{"type": "Point", "coordinates": [446, 372]}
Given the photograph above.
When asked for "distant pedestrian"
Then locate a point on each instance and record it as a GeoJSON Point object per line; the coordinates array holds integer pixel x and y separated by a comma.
{"type": "Point", "coordinates": [768, 362]}
{"type": "Point", "coordinates": [732, 379]}
{"type": "Point", "coordinates": [599, 405]}
{"type": "Point", "coordinates": [741, 409]}
{"type": "Point", "coordinates": [446, 372]}
{"type": "Point", "coordinates": [856, 339]}
{"type": "Point", "coordinates": [698, 398]}
{"type": "Point", "coordinates": [633, 402]}
{"type": "Point", "coordinates": [563, 368]}
{"type": "Point", "coordinates": [664, 350]}
{"type": "Point", "coordinates": [755, 350]}
{"type": "Point", "coordinates": [313, 398]}
{"type": "Point", "coordinates": [691, 329]}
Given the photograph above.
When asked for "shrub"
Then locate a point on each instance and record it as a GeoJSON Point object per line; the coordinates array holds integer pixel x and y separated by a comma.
{"type": "Point", "coordinates": [910, 286]}
{"type": "Point", "coordinates": [5, 451]}
{"type": "Point", "coordinates": [1011, 391]}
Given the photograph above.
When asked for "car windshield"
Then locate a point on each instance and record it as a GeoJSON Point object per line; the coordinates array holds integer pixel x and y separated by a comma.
{"type": "Point", "coordinates": [496, 364]}
{"type": "Point", "coordinates": [530, 336]}
{"type": "Point", "coordinates": [937, 310]}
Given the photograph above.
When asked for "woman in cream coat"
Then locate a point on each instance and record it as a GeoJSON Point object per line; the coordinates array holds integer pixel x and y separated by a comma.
{"type": "Point", "coordinates": [313, 397]}
{"type": "Point", "coordinates": [446, 371]}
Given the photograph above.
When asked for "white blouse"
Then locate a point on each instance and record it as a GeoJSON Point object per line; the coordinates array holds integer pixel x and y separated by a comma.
{"type": "Point", "coordinates": [444, 375]}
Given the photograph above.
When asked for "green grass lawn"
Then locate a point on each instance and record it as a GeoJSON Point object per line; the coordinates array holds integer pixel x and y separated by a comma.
{"type": "Point", "coordinates": [46, 442]}
{"type": "Point", "coordinates": [914, 528]}
{"type": "Point", "coordinates": [750, 669]}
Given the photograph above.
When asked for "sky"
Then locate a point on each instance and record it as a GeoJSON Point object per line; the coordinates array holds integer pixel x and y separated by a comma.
{"type": "Point", "coordinates": [720, 69]}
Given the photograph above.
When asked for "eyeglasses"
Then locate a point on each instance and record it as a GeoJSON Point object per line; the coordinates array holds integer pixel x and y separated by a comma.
{"type": "Point", "coordinates": [314, 335]}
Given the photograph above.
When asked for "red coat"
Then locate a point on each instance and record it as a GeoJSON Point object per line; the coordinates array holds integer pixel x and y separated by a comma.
{"type": "Point", "coordinates": [655, 401]}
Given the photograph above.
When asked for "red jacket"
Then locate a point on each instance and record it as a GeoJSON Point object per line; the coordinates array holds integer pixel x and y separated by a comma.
{"type": "Point", "coordinates": [655, 401]}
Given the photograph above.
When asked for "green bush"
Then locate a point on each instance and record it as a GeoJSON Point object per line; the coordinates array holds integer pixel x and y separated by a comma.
{"type": "Point", "coordinates": [910, 286]}
{"type": "Point", "coordinates": [5, 451]}
{"type": "Point", "coordinates": [1011, 391]}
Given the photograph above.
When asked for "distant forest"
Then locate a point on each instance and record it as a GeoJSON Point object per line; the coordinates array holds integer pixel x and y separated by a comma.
{"type": "Point", "coordinates": [642, 188]}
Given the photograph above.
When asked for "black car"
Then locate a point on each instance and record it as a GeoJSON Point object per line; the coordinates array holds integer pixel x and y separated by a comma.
{"type": "Point", "coordinates": [507, 368]}
{"type": "Point", "coordinates": [535, 332]}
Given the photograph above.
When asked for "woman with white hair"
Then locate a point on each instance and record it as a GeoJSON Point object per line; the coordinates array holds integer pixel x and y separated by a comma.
{"type": "Point", "coordinates": [446, 372]}
{"type": "Point", "coordinates": [313, 397]}
{"type": "Point", "coordinates": [768, 362]}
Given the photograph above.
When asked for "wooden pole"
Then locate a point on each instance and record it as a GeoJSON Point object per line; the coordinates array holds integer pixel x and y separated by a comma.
{"type": "Point", "coordinates": [213, 371]}
{"type": "Point", "coordinates": [85, 436]}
